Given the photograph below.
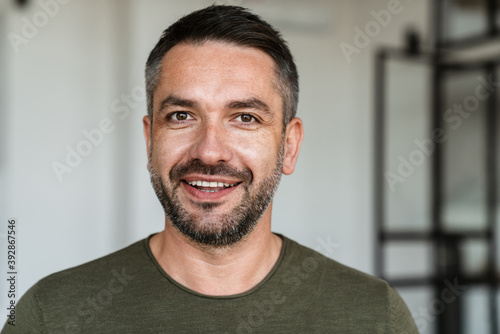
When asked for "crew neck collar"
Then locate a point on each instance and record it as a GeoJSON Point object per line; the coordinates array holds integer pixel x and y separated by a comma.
{"type": "Point", "coordinates": [239, 295]}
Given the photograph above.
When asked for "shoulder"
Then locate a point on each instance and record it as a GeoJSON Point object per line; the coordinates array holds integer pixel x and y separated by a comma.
{"type": "Point", "coordinates": [56, 299]}
{"type": "Point", "coordinates": [329, 270]}
{"type": "Point", "coordinates": [329, 287]}
{"type": "Point", "coordinates": [326, 273]}
{"type": "Point", "coordinates": [109, 271]}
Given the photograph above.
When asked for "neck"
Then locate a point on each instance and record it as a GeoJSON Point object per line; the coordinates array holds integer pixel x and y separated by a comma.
{"type": "Point", "coordinates": [218, 271]}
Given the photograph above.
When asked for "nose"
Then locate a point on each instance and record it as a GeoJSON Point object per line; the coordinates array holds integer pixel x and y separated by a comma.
{"type": "Point", "coordinates": [212, 145]}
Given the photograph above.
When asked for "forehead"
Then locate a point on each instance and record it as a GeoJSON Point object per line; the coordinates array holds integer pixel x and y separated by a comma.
{"type": "Point", "coordinates": [219, 56]}
{"type": "Point", "coordinates": [217, 69]}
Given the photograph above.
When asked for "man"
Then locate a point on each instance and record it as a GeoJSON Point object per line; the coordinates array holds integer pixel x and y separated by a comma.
{"type": "Point", "coordinates": [221, 129]}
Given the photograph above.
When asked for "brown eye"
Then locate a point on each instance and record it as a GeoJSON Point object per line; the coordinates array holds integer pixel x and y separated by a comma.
{"type": "Point", "coordinates": [181, 116]}
{"type": "Point", "coordinates": [246, 118]}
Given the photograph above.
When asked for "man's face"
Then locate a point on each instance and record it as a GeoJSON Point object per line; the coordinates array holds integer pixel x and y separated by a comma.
{"type": "Point", "coordinates": [217, 146]}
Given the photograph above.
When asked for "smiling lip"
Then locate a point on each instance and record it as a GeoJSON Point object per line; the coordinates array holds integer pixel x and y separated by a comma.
{"type": "Point", "coordinates": [209, 187]}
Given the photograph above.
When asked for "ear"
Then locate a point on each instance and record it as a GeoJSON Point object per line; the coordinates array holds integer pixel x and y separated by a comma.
{"type": "Point", "coordinates": [146, 122]}
{"type": "Point", "coordinates": [293, 140]}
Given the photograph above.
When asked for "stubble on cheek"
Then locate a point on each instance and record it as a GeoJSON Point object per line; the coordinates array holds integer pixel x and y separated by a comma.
{"type": "Point", "coordinates": [206, 226]}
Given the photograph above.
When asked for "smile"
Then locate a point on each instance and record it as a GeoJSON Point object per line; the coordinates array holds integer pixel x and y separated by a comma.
{"type": "Point", "coordinates": [207, 184]}
{"type": "Point", "coordinates": [210, 186]}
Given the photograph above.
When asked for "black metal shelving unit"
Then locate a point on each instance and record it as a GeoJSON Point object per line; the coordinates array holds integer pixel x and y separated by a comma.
{"type": "Point", "coordinates": [445, 244]}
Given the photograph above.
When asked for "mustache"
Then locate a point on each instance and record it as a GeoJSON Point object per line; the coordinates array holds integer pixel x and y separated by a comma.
{"type": "Point", "coordinates": [197, 166]}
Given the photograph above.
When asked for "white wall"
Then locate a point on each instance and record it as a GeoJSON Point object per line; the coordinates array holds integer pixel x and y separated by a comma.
{"type": "Point", "coordinates": [57, 85]}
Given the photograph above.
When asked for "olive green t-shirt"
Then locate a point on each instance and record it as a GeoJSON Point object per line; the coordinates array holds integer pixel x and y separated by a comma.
{"type": "Point", "coordinates": [128, 292]}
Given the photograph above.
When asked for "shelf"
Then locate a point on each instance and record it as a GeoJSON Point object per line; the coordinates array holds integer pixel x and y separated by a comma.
{"type": "Point", "coordinates": [407, 282]}
{"type": "Point", "coordinates": [426, 236]}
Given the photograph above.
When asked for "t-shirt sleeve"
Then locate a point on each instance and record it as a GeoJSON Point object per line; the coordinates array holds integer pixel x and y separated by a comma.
{"type": "Point", "coordinates": [28, 315]}
{"type": "Point", "coordinates": [400, 319]}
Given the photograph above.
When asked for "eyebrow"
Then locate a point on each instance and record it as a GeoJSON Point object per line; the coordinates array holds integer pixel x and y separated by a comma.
{"type": "Point", "coordinates": [175, 101]}
{"type": "Point", "coordinates": [251, 103]}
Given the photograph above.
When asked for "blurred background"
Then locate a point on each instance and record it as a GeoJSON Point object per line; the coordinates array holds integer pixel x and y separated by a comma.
{"type": "Point", "coordinates": [397, 174]}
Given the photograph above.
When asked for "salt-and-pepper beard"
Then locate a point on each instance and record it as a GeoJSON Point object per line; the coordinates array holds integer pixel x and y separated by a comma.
{"type": "Point", "coordinates": [225, 229]}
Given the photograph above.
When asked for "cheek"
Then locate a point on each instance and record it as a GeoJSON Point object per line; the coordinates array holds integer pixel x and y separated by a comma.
{"type": "Point", "coordinates": [168, 150]}
{"type": "Point", "coordinates": [259, 153]}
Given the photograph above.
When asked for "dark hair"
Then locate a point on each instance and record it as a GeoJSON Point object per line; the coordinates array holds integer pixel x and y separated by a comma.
{"type": "Point", "coordinates": [235, 25]}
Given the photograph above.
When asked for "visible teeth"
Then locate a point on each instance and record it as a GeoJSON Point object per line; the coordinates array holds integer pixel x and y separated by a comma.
{"type": "Point", "coordinates": [207, 184]}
